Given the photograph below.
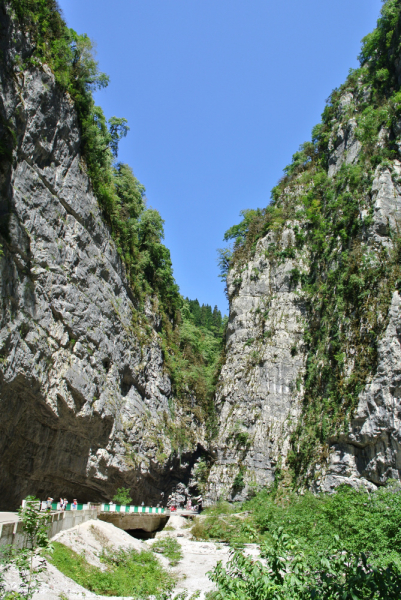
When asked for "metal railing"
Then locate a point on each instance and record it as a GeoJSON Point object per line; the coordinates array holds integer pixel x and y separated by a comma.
{"type": "Point", "coordinates": [121, 508]}
{"type": "Point", "coordinates": [110, 507]}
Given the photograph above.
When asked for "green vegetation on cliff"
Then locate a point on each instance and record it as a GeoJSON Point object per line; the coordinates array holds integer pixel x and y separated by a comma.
{"type": "Point", "coordinates": [192, 349]}
{"type": "Point", "coordinates": [348, 281]}
{"type": "Point", "coordinates": [137, 231]}
{"type": "Point", "coordinates": [194, 355]}
{"type": "Point", "coordinates": [203, 316]}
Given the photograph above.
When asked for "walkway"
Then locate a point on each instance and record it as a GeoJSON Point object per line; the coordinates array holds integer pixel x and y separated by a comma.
{"type": "Point", "coordinates": [8, 517]}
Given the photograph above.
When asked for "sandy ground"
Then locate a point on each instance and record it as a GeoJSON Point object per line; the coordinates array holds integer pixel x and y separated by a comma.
{"type": "Point", "coordinates": [198, 557]}
{"type": "Point", "coordinates": [91, 537]}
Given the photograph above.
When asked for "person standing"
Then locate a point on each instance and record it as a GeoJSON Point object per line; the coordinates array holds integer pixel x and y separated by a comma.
{"type": "Point", "coordinates": [74, 505]}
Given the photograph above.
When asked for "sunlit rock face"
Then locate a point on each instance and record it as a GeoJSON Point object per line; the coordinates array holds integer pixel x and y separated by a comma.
{"type": "Point", "coordinates": [260, 384]}
{"type": "Point", "coordinates": [260, 392]}
{"type": "Point", "coordinates": [83, 393]}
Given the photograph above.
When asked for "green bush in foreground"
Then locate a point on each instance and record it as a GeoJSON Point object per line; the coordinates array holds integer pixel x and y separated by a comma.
{"type": "Point", "coordinates": [364, 522]}
{"type": "Point", "coordinates": [170, 548]}
{"type": "Point", "coordinates": [28, 559]}
{"type": "Point", "coordinates": [128, 573]}
{"type": "Point", "coordinates": [288, 575]}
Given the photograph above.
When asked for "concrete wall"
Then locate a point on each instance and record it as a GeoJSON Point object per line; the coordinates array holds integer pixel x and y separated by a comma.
{"type": "Point", "coordinates": [11, 533]}
{"type": "Point", "coordinates": [126, 521]}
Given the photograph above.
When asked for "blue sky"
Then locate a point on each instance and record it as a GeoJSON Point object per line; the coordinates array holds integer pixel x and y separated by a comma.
{"type": "Point", "coordinates": [219, 94]}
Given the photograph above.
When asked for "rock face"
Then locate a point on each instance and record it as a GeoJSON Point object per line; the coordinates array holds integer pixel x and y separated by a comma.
{"type": "Point", "coordinates": [83, 392]}
{"type": "Point", "coordinates": [261, 381]}
{"type": "Point", "coordinates": [260, 389]}
{"type": "Point", "coordinates": [371, 452]}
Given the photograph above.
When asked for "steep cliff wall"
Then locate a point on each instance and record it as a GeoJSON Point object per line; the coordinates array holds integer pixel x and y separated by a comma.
{"type": "Point", "coordinates": [257, 394]}
{"type": "Point", "coordinates": [369, 449]}
{"type": "Point", "coordinates": [310, 389]}
{"type": "Point", "coordinates": [84, 395]}
{"type": "Point", "coordinates": [101, 386]}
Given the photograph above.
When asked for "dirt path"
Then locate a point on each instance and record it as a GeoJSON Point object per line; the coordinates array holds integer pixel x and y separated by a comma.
{"type": "Point", "coordinates": [198, 559]}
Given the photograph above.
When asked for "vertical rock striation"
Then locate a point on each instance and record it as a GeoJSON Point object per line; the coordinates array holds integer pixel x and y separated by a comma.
{"type": "Point", "coordinates": [84, 396]}
{"type": "Point", "coordinates": [260, 382]}
{"type": "Point", "coordinates": [370, 451]}
{"type": "Point", "coordinates": [264, 406]}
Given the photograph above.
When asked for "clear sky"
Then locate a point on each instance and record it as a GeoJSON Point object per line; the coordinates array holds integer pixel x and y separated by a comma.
{"type": "Point", "coordinates": [219, 94]}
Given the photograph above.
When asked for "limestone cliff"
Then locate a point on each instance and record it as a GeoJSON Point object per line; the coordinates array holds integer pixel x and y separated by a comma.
{"type": "Point", "coordinates": [260, 391]}
{"type": "Point", "coordinates": [310, 388]}
{"type": "Point", "coordinates": [257, 393]}
{"type": "Point", "coordinates": [84, 393]}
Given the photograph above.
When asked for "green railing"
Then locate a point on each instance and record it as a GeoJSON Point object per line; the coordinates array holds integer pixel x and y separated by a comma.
{"type": "Point", "coordinates": [121, 508]}
{"type": "Point", "coordinates": [56, 506]}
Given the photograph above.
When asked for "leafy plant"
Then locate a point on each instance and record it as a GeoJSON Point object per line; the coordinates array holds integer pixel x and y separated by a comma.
{"type": "Point", "coordinates": [364, 522]}
{"type": "Point", "coordinates": [29, 559]}
{"type": "Point", "coordinates": [238, 483]}
{"type": "Point", "coordinates": [170, 548]}
{"type": "Point", "coordinates": [286, 574]}
{"type": "Point", "coordinates": [122, 496]}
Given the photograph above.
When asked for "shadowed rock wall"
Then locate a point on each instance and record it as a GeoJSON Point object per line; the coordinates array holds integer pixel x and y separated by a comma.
{"type": "Point", "coordinates": [83, 391]}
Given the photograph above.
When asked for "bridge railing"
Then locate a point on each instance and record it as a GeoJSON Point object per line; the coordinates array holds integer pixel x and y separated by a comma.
{"type": "Point", "coordinates": [56, 506]}
{"type": "Point", "coordinates": [121, 508]}
{"type": "Point", "coordinates": [110, 507]}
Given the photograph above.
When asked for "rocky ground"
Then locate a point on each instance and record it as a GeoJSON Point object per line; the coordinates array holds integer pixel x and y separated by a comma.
{"type": "Point", "coordinates": [198, 557]}
{"type": "Point", "coordinates": [91, 537]}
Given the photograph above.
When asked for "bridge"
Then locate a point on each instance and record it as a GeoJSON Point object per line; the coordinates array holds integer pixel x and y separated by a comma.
{"type": "Point", "coordinates": [135, 519]}
{"type": "Point", "coordinates": [139, 518]}
{"type": "Point", "coordinates": [147, 519]}
{"type": "Point", "coordinates": [140, 521]}
{"type": "Point", "coordinates": [110, 507]}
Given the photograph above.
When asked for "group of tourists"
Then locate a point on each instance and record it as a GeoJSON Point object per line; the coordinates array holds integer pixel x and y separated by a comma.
{"type": "Point", "coordinates": [62, 504]}
{"type": "Point", "coordinates": [196, 507]}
